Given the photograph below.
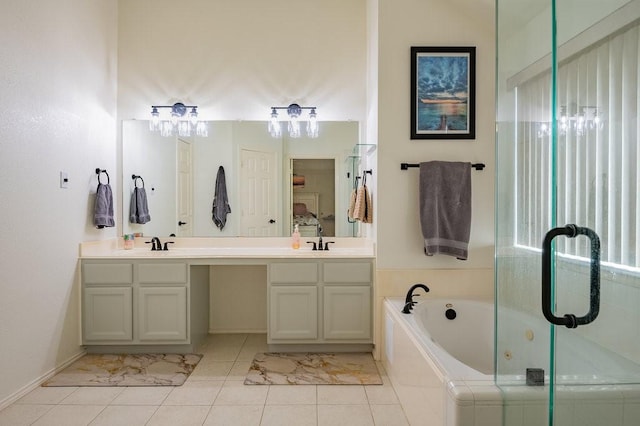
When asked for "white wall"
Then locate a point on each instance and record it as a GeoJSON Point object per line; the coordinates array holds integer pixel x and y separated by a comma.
{"type": "Point", "coordinates": [235, 59]}
{"type": "Point", "coordinates": [58, 85]}
{"type": "Point", "coordinates": [402, 24]}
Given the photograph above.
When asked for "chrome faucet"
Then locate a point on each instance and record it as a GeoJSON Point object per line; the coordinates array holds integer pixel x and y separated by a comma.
{"type": "Point", "coordinates": [408, 301]}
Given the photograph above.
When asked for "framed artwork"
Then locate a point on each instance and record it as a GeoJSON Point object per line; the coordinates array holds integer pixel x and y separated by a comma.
{"type": "Point", "coordinates": [443, 93]}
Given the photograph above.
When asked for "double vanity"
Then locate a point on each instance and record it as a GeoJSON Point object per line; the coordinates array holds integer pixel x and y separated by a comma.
{"type": "Point", "coordinates": [141, 300]}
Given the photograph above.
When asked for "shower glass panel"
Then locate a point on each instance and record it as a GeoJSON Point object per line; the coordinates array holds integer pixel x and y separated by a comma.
{"type": "Point", "coordinates": [568, 80]}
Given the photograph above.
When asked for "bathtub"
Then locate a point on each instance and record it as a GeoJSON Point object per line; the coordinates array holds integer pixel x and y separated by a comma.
{"type": "Point", "coordinates": [442, 369]}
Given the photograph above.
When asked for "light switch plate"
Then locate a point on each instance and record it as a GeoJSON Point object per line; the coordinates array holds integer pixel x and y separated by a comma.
{"type": "Point", "coordinates": [64, 180]}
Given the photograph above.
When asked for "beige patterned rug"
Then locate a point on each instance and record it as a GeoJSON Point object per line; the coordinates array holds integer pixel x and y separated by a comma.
{"type": "Point", "coordinates": [274, 368]}
{"type": "Point", "coordinates": [127, 370]}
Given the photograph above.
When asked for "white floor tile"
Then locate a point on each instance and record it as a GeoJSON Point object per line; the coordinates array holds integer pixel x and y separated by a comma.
{"type": "Point", "coordinates": [234, 415]}
{"type": "Point", "coordinates": [22, 414]}
{"type": "Point", "coordinates": [173, 415]}
{"type": "Point", "coordinates": [47, 395]}
{"type": "Point", "coordinates": [237, 393]}
{"type": "Point", "coordinates": [298, 415]}
{"type": "Point", "coordinates": [381, 394]}
{"type": "Point", "coordinates": [388, 415]}
{"type": "Point", "coordinates": [143, 395]}
{"type": "Point", "coordinates": [341, 394]}
{"type": "Point", "coordinates": [69, 415]}
{"type": "Point", "coordinates": [291, 395]}
{"type": "Point", "coordinates": [344, 415]}
{"type": "Point", "coordinates": [211, 370]}
{"type": "Point", "coordinates": [125, 415]}
{"type": "Point", "coordinates": [93, 395]}
{"type": "Point", "coordinates": [239, 370]}
{"type": "Point", "coordinates": [202, 392]}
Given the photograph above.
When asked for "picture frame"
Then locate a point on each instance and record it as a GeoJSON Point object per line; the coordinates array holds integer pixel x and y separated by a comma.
{"type": "Point", "coordinates": [443, 94]}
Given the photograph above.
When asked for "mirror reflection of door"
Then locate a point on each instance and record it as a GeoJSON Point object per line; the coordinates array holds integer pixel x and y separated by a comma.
{"type": "Point", "coordinates": [184, 189]}
{"type": "Point", "coordinates": [258, 194]}
{"type": "Point", "coordinates": [314, 196]}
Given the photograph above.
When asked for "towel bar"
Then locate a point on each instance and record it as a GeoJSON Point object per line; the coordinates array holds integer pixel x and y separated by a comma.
{"type": "Point", "coordinates": [405, 166]}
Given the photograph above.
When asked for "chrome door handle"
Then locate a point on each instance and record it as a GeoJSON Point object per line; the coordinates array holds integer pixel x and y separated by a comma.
{"type": "Point", "coordinates": [570, 320]}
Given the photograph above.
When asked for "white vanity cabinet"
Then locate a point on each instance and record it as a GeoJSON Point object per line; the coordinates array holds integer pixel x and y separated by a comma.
{"type": "Point", "coordinates": [107, 296]}
{"type": "Point", "coordinates": [323, 301]}
{"type": "Point", "coordinates": [135, 302]}
{"type": "Point", "coordinates": [162, 302]}
{"type": "Point", "coordinates": [293, 301]}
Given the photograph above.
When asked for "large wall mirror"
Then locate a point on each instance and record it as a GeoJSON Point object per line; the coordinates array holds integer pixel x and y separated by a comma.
{"type": "Point", "coordinates": [271, 184]}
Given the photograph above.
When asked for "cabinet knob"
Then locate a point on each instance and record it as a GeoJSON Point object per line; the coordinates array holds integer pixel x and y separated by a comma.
{"type": "Point", "coordinates": [180, 223]}
{"type": "Point", "coordinates": [272, 221]}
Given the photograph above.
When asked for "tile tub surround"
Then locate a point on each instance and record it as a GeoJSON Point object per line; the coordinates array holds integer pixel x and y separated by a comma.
{"type": "Point", "coordinates": [459, 398]}
{"type": "Point", "coordinates": [214, 394]}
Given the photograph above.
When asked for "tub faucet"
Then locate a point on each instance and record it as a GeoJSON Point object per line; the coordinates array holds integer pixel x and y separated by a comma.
{"type": "Point", "coordinates": [408, 301]}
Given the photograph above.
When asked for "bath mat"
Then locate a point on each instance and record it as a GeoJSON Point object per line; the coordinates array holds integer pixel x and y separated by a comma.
{"type": "Point", "coordinates": [127, 370]}
{"type": "Point", "coordinates": [274, 368]}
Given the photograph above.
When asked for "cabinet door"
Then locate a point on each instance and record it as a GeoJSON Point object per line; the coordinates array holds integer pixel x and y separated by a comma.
{"type": "Point", "coordinates": [293, 312]}
{"type": "Point", "coordinates": [162, 314]}
{"type": "Point", "coordinates": [347, 312]}
{"type": "Point", "coordinates": [107, 314]}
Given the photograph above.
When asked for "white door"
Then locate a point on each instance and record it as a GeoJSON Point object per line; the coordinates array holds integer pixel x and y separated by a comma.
{"type": "Point", "coordinates": [258, 194]}
{"type": "Point", "coordinates": [184, 191]}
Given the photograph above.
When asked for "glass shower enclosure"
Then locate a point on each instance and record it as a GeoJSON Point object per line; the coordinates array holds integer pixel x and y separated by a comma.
{"type": "Point", "coordinates": [567, 348]}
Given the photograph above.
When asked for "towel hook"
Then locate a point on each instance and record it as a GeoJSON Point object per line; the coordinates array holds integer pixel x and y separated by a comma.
{"type": "Point", "coordinates": [364, 175]}
{"type": "Point", "coordinates": [98, 171]}
{"type": "Point", "coordinates": [135, 180]}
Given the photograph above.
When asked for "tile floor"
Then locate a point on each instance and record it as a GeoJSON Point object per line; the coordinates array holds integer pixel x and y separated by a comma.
{"type": "Point", "coordinates": [214, 394]}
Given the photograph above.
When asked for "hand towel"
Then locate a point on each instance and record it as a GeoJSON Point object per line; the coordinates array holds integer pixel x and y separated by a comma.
{"type": "Point", "coordinates": [445, 207]}
{"type": "Point", "coordinates": [368, 211]}
{"type": "Point", "coordinates": [352, 205]}
{"type": "Point", "coordinates": [103, 210]}
{"type": "Point", "coordinates": [363, 207]}
{"type": "Point", "coordinates": [138, 209]}
{"type": "Point", "coordinates": [220, 201]}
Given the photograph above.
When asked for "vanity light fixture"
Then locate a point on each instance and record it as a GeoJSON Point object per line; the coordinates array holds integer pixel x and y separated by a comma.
{"type": "Point", "coordinates": [180, 121]}
{"type": "Point", "coordinates": [293, 111]}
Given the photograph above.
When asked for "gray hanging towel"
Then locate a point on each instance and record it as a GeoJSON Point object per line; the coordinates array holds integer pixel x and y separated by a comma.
{"type": "Point", "coordinates": [445, 207]}
{"type": "Point", "coordinates": [103, 210]}
{"type": "Point", "coordinates": [220, 201]}
{"type": "Point", "coordinates": [139, 209]}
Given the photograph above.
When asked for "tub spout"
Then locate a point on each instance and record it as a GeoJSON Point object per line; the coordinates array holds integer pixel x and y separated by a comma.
{"type": "Point", "coordinates": [408, 302]}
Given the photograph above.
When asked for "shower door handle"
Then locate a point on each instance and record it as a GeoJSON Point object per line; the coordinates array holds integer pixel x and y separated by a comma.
{"type": "Point", "coordinates": [570, 320]}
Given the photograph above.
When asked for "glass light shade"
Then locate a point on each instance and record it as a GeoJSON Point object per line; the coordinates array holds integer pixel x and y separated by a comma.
{"type": "Point", "coordinates": [202, 129]}
{"type": "Point", "coordinates": [154, 123]}
{"type": "Point", "coordinates": [193, 116]}
{"type": "Point", "coordinates": [312, 125]}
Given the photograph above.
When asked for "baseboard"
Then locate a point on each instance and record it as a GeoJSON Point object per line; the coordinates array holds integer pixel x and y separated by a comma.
{"type": "Point", "coordinates": [38, 381]}
{"type": "Point", "coordinates": [236, 331]}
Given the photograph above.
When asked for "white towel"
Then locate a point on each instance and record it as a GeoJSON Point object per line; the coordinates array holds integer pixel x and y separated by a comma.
{"type": "Point", "coordinates": [103, 209]}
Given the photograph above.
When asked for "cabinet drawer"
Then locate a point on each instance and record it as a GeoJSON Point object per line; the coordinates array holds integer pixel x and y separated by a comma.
{"type": "Point", "coordinates": [158, 273]}
{"type": "Point", "coordinates": [347, 272]}
{"type": "Point", "coordinates": [107, 273]}
{"type": "Point", "coordinates": [293, 273]}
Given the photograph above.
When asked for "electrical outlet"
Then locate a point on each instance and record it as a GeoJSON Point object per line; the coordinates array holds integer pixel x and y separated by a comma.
{"type": "Point", "coordinates": [64, 180]}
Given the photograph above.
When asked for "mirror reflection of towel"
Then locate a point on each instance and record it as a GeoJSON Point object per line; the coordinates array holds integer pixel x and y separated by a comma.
{"type": "Point", "coordinates": [445, 207]}
{"type": "Point", "coordinates": [220, 201]}
{"type": "Point", "coordinates": [139, 210]}
{"type": "Point", "coordinates": [363, 207]}
{"type": "Point", "coordinates": [103, 210]}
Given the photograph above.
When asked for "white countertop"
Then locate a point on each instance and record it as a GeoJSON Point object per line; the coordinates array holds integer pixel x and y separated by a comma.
{"type": "Point", "coordinates": [228, 247]}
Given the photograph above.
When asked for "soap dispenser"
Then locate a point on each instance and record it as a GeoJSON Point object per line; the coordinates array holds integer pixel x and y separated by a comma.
{"type": "Point", "coordinates": [295, 238]}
